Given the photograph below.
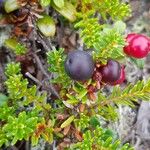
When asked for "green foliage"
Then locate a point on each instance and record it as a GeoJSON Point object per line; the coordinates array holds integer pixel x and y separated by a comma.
{"type": "Point", "coordinates": [102, 139]}
{"type": "Point", "coordinates": [6, 112]}
{"type": "Point", "coordinates": [16, 127]}
{"type": "Point", "coordinates": [82, 122]}
{"type": "Point", "coordinates": [115, 9]}
{"type": "Point", "coordinates": [107, 41]}
{"type": "Point", "coordinates": [107, 8]}
{"type": "Point", "coordinates": [90, 32]}
{"type": "Point", "coordinates": [16, 86]}
{"type": "Point", "coordinates": [15, 46]}
{"type": "Point", "coordinates": [19, 124]}
{"type": "Point", "coordinates": [129, 95]}
{"type": "Point", "coordinates": [45, 3]}
{"type": "Point", "coordinates": [110, 45]}
{"type": "Point", "coordinates": [13, 69]}
{"type": "Point", "coordinates": [65, 8]}
{"type": "Point", "coordinates": [20, 127]}
{"type": "Point", "coordinates": [25, 112]}
{"type": "Point", "coordinates": [3, 138]}
{"type": "Point", "coordinates": [106, 105]}
{"type": "Point", "coordinates": [46, 25]}
{"type": "Point", "coordinates": [59, 3]}
{"type": "Point", "coordinates": [56, 60]}
{"type": "Point", "coordinates": [11, 5]}
{"type": "Point", "coordinates": [79, 95]}
{"type": "Point", "coordinates": [3, 99]}
{"type": "Point", "coordinates": [108, 112]}
{"type": "Point", "coordinates": [67, 122]}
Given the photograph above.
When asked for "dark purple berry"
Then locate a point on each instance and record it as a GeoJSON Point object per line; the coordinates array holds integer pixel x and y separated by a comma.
{"type": "Point", "coordinates": [79, 65]}
{"type": "Point", "coordinates": [111, 71]}
{"type": "Point", "coordinates": [121, 79]}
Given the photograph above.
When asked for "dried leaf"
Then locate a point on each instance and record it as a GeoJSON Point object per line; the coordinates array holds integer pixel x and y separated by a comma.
{"type": "Point", "coordinates": [61, 116]}
{"type": "Point", "coordinates": [92, 96]}
{"type": "Point", "coordinates": [98, 85]}
{"type": "Point", "coordinates": [82, 107]}
{"type": "Point", "coordinates": [66, 130]}
{"type": "Point", "coordinates": [78, 135]}
{"type": "Point", "coordinates": [62, 145]}
{"type": "Point", "coordinates": [56, 130]}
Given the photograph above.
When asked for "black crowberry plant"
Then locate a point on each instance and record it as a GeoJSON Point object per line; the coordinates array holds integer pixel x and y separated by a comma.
{"type": "Point", "coordinates": [68, 104]}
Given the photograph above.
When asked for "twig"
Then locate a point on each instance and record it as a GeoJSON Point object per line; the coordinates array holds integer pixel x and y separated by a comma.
{"type": "Point", "coordinates": [54, 145]}
{"type": "Point", "coordinates": [45, 45]}
{"type": "Point", "coordinates": [46, 74]}
{"type": "Point", "coordinates": [33, 78]}
{"type": "Point", "coordinates": [14, 148]}
{"type": "Point", "coordinates": [40, 65]}
{"type": "Point", "coordinates": [27, 145]}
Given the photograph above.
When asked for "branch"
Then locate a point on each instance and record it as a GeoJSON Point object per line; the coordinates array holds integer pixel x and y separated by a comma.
{"type": "Point", "coordinates": [126, 96]}
{"type": "Point", "coordinates": [33, 78]}
{"type": "Point", "coordinates": [46, 74]}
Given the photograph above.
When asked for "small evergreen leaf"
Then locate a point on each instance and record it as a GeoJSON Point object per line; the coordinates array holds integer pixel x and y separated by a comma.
{"type": "Point", "coordinates": [13, 44]}
{"type": "Point", "coordinates": [72, 101]}
{"type": "Point", "coordinates": [3, 99]}
{"type": "Point", "coordinates": [34, 140]}
{"type": "Point", "coordinates": [46, 25]}
{"type": "Point", "coordinates": [82, 94]}
{"type": "Point", "coordinates": [59, 3]}
{"type": "Point", "coordinates": [67, 122]}
{"type": "Point", "coordinates": [11, 5]}
{"type": "Point", "coordinates": [15, 139]}
{"type": "Point", "coordinates": [120, 26]}
{"type": "Point", "coordinates": [68, 11]}
{"type": "Point", "coordinates": [94, 121]}
{"type": "Point", "coordinates": [45, 3]}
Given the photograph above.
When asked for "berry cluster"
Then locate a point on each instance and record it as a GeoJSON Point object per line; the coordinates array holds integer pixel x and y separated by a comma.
{"type": "Point", "coordinates": [80, 66]}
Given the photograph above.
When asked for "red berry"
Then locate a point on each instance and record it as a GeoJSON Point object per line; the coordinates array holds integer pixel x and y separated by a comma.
{"type": "Point", "coordinates": [138, 45]}
{"type": "Point", "coordinates": [121, 79]}
{"type": "Point", "coordinates": [110, 72]}
{"type": "Point", "coordinates": [128, 39]}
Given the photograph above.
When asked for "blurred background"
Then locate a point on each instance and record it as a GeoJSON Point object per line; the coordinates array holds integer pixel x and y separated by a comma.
{"type": "Point", "coordinates": [134, 124]}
